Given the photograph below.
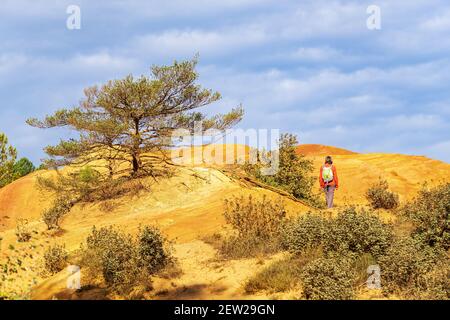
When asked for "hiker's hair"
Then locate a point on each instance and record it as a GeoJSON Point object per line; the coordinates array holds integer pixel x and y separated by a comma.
{"type": "Point", "coordinates": [328, 160]}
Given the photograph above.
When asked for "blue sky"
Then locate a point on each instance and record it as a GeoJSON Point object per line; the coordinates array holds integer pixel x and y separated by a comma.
{"type": "Point", "coordinates": [308, 67]}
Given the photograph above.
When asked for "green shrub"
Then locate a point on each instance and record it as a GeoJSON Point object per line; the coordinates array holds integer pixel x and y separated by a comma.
{"type": "Point", "coordinates": [22, 168]}
{"type": "Point", "coordinates": [430, 214]}
{"type": "Point", "coordinates": [53, 215]}
{"type": "Point", "coordinates": [328, 278]}
{"type": "Point", "coordinates": [380, 197]}
{"type": "Point", "coordinates": [123, 261]}
{"type": "Point", "coordinates": [55, 258]}
{"type": "Point", "coordinates": [152, 249]}
{"type": "Point", "coordinates": [358, 232]}
{"type": "Point", "coordinates": [294, 171]}
{"type": "Point", "coordinates": [433, 285]}
{"type": "Point", "coordinates": [113, 253]}
{"type": "Point", "coordinates": [304, 232]}
{"type": "Point", "coordinates": [257, 225]}
{"type": "Point", "coordinates": [406, 263]}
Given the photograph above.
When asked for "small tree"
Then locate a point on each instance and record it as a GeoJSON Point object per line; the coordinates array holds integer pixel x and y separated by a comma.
{"type": "Point", "coordinates": [8, 156]}
{"type": "Point", "coordinates": [132, 120]}
{"type": "Point", "coordinates": [294, 171]}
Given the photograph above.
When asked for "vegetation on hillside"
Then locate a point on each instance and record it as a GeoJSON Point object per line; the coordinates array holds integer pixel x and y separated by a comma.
{"type": "Point", "coordinates": [256, 225]}
{"type": "Point", "coordinates": [332, 254]}
{"type": "Point", "coordinates": [124, 262]}
{"type": "Point", "coordinates": [126, 129]}
{"type": "Point", "coordinates": [294, 173]}
{"type": "Point", "coordinates": [8, 156]}
{"type": "Point", "coordinates": [10, 169]}
{"type": "Point", "coordinates": [126, 125]}
{"type": "Point", "coordinates": [430, 214]}
{"type": "Point", "coordinates": [380, 197]}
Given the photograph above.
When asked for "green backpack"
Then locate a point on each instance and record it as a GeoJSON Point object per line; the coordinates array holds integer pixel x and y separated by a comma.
{"type": "Point", "coordinates": [327, 173]}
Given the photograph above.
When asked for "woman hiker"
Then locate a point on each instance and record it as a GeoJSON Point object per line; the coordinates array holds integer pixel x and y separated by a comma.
{"type": "Point", "coordinates": [328, 180]}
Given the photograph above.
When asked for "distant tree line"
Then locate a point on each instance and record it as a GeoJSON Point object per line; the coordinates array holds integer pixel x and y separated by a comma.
{"type": "Point", "coordinates": [10, 169]}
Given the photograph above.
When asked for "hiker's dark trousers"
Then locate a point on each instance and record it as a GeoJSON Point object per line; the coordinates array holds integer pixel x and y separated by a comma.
{"type": "Point", "coordinates": [329, 195]}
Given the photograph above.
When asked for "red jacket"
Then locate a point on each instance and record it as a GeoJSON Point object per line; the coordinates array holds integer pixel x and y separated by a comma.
{"type": "Point", "coordinates": [334, 182]}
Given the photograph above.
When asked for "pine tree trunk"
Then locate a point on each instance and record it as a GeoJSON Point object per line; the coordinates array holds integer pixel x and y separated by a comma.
{"type": "Point", "coordinates": [135, 165]}
{"type": "Point", "coordinates": [136, 148]}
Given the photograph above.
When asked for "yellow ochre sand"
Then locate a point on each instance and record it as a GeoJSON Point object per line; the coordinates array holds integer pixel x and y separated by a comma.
{"type": "Point", "coordinates": [188, 207]}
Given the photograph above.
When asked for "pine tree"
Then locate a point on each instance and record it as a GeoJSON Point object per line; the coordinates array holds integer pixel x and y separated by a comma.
{"type": "Point", "coordinates": [132, 120]}
{"type": "Point", "coordinates": [8, 156]}
{"type": "Point", "coordinates": [22, 168]}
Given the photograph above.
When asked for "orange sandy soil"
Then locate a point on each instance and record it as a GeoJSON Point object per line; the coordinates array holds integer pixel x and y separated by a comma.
{"type": "Point", "coordinates": [188, 207]}
{"type": "Point", "coordinates": [319, 149]}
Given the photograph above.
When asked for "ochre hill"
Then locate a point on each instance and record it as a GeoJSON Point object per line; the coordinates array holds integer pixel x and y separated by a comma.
{"type": "Point", "coordinates": [405, 174]}
{"type": "Point", "coordinates": [189, 207]}
{"type": "Point", "coordinates": [319, 149]}
{"type": "Point", "coordinates": [22, 199]}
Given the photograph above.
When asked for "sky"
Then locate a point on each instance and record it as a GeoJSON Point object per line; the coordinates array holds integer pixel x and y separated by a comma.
{"type": "Point", "coordinates": [312, 68]}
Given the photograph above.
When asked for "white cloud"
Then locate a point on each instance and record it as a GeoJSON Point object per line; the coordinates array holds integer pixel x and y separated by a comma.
{"type": "Point", "coordinates": [9, 62]}
{"type": "Point", "coordinates": [102, 60]}
{"type": "Point", "coordinates": [316, 54]}
{"type": "Point", "coordinates": [288, 62]}
{"type": "Point", "coordinates": [437, 23]}
{"type": "Point", "coordinates": [188, 42]}
{"type": "Point", "coordinates": [413, 122]}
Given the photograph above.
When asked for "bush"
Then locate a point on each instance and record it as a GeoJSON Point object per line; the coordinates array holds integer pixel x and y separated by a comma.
{"type": "Point", "coordinates": [430, 214]}
{"type": "Point", "coordinates": [358, 232]}
{"type": "Point", "coordinates": [294, 171]}
{"type": "Point", "coordinates": [23, 232]}
{"type": "Point", "coordinates": [53, 215]}
{"type": "Point", "coordinates": [152, 249]}
{"type": "Point", "coordinates": [122, 260]}
{"type": "Point", "coordinates": [257, 224]}
{"type": "Point", "coordinates": [254, 218]}
{"type": "Point", "coordinates": [111, 252]}
{"type": "Point", "coordinates": [330, 278]}
{"type": "Point", "coordinates": [380, 197]}
{"type": "Point", "coordinates": [436, 284]}
{"type": "Point", "coordinates": [433, 285]}
{"type": "Point", "coordinates": [55, 258]}
{"type": "Point", "coordinates": [406, 264]}
{"type": "Point", "coordinates": [304, 232]}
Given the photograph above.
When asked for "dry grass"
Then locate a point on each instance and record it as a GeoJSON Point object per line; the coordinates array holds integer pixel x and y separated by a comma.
{"type": "Point", "coordinates": [282, 275]}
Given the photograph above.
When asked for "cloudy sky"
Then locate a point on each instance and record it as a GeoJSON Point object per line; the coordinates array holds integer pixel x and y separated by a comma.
{"type": "Point", "coordinates": [308, 67]}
